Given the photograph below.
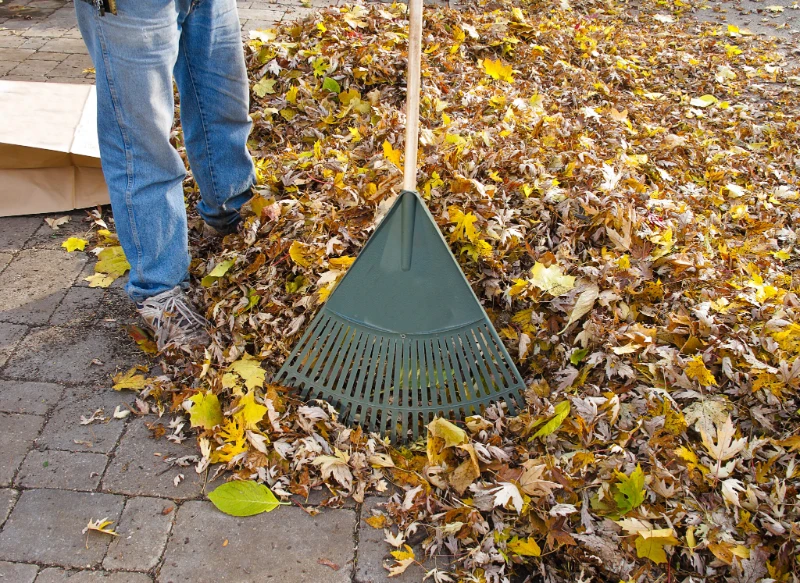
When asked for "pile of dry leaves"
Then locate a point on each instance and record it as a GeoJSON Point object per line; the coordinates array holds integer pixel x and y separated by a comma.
{"type": "Point", "coordinates": [620, 187]}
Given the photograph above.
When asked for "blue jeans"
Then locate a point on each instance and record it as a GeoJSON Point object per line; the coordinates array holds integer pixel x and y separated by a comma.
{"type": "Point", "coordinates": [136, 53]}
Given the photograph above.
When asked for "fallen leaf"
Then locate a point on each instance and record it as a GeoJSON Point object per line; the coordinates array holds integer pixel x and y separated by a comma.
{"type": "Point", "coordinates": [243, 498]}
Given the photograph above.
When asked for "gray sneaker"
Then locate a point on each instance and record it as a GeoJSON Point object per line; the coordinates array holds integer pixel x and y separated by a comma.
{"type": "Point", "coordinates": [173, 320]}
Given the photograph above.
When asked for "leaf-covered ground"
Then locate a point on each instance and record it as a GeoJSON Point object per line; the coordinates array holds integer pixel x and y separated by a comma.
{"type": "Point", "coordinates": [621, 188]}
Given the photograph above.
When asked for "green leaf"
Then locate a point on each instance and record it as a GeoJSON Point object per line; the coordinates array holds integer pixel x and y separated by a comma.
{"type": "Point", "coordinates": [266, 85]}
{"type": "Point", "coordinates": [244, 498]}
{"type": "Point", "coordinates": [219, 270]}
{"type": "Point", "coordinates": [577, 357]}
{"type": "Point", "coordinates": [331, 85]}
{"type": "Point", "coordinates": [561, 410]}
{"type": "Point", "coordinates": [206, 411]}
{"type": "Point", "coordinates": [222, 268]}
{"type": "Point", "coordinates": [629, 492]}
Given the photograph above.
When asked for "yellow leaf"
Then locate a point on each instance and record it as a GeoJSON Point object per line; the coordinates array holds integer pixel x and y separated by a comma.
{"type": "Point", "coordinates": [442, 435]}
{"type": "Point", "coordinates": [496, 70]}
{"type": "Point", "coordinates": [378, 521]}
{"type": "Point", "coordinates": [205, 411]}
{"type": "Point", "coordinates": [296, 253]}
{"type": "Point", "coordinates": [112, 261]}
{"type": "Point", "coordinates": [465, 225]}
{"type": "Point", "coordinates": [100, 525]}
{"type": "Point", "coordinates": [74, 244]}
{"type": "Point", "coordinates": [342, 262]}
{"type": "Point", "coordinates": [703, 101]}
{"type": "Point", "coordinates": [291, 95]}
{"type": "Point", "coordinates": [697, 370]}
{"type": "Point", "coordinates": [650, 544]}
{"type": "Point", "coordinates": [525, 547]}
{"type": "Point", "coordinates": [402, 555]}
{"type": "Point", "coordinates": [100, 280]}
{"type": "Point", "coordinates": [249, 368]}
{"type": "Point", "coordinates": [251, 412]}
{"type": "Point", "coordinates": [391, 154]}
{"type": "Point", "coordinates": [551, 279]}
{"type": "Point", "coordinates": [130, 380]}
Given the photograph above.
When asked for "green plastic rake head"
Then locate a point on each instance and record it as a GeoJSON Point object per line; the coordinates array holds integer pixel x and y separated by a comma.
{"type": "Point", "coordinates": [403, 339]}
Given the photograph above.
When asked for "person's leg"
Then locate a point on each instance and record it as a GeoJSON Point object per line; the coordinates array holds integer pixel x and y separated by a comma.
{"type": "Point", "coordinates": [212, 81]}
{"type": "Point", "coordinates": [134, 53]}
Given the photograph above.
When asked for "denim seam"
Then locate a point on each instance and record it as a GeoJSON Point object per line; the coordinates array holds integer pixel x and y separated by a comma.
{"type": "Point", "coordinates": [129, 168]}
{"type": "Point", "coordinates": [202, 120]}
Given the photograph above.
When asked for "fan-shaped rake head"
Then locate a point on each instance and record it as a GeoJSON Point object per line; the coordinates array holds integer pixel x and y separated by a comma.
{"type": "Point", "coordinates": [397, 383]}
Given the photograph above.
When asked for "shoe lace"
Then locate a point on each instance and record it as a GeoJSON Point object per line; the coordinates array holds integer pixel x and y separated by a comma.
{"type": "Point", "coordinates": [175, 319]}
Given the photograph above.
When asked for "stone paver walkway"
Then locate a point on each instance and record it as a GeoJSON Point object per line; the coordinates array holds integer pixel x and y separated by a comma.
{"type": "Point", "coordinates": [61, 341]}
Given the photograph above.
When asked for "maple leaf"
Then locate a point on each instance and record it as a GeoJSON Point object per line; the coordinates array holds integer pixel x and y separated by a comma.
{"type": "Point", "coordinates": [112, 262]}
{"type": "Point", "coordinates": [205, 410]}
{"type": "Point", "coordinates": [391, 154]}
{"type": "Point", "coordinates": [551, 279]}
{"type": "Point", "coordinates": [650, 544]}
{"type": "Point", "coordinates": [56, 223]}
{"type": "Point", "coordinates": [297, 253]}
{"type": "Point", "coordinates": [464, 229]}
{"type": "Point", "coordinates": [249, 369]}
{"type": "Point", "coordinates": [101, 280]}
{"type": "Point", "coordinates": [335, 466]}
{"type": "Point", "coordinates": [524, 547]}
{"type": "Point", "coordinates": [531, 481]}
{"type": "Point", "coordinates": [696, 369]}
{"type": "Point", "coordinates": [629, 490]}
{"type": "Point", "coordinates": [130, 379]}
{"type": "Point", "coordinates": [74, 244]}
{"type": "Point", "coordinates": [250, 412]}
{"type": "Point", "coordinates": [725, 447]}
{"type": "Point", "coordinates": [507, 492]}
{"type": "Point", "coordinates": [497, 70]}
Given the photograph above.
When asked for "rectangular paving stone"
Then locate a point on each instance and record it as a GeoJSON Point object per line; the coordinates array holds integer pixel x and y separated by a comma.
{"type": "Point", "coordinates": [27, 397]}
{"type": "Point", "coordinates": [11, 42]}
{"type": "Point", "coordinates": [17, 433]}
{"type": "Point", "coordinates": [6, 67]}
{"type": "Point", "coordinates": [62, 469]}
{"type": "Point", "coordinates": [45, 237]}
{"type": "Point", "coordinates": [34, 68]}
{"type": "Point", "coordinates": [64, 430]}
{"type": "Point", "coordinates": [143, 531]}
{"type": "Point", "coordinates": [64, 45]}
{"type": "Point", "coordinates": [10, 335]}
{"type": "Point", "coordinates": [283, 546]}
{"type": "Point", "coordinates": [373, 553]}
{"type": "Point", "coordinates": [46, 527]}
{"type": "Point", "coordinates": [81, 306]}
{"type": "Point", "coordinates": [34, 43]}
{"type": "Point", "coordinates": [15, 55]}
{"type": "Point", "coordinates": [7, 499]}
{"type": "Point", "coordinates": [47, 57]}
{"type": "Point", "coordinates": [66, 355]}
{"type": "Point", "coordinates": [15, 231]}
{"type": "Point", "coordinates": [139, 467]}
{"type": "Point", "coordinates": [35, 282]}
{"type": "Point", "coordinates": [72, 66]}
{"type": "Point", "coordinates": [261, 14]}
{"type": "Point", "coordinates": [60, 576]}
{"type": "Point", "coordinates": [17, 572]}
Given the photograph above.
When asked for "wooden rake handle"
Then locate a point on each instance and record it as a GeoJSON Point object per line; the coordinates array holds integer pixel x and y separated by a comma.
{"type": "Point", "coordinates": [414, 87]}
